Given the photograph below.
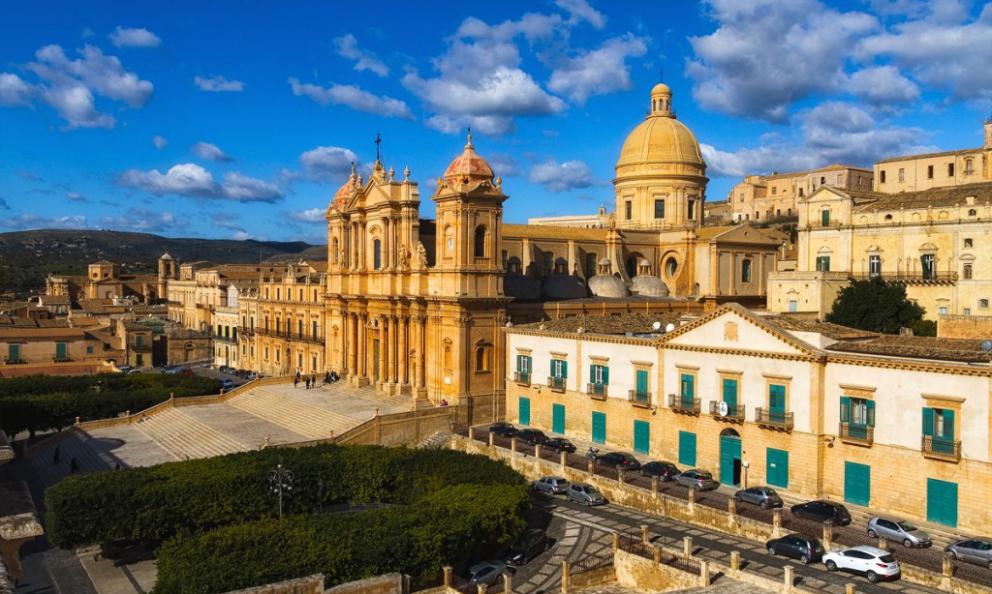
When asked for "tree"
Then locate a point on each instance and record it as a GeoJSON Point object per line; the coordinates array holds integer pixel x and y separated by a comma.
{"type": "Point", "coordinates": [879, 306]}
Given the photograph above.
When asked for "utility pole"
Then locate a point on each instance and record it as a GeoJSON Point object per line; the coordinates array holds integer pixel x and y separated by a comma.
{"type": "Point", "coordinates": [280, 480]}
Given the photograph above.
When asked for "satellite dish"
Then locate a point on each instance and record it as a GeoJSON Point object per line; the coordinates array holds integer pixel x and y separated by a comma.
{"type": "Point", "coordinates": [724, 409]}
{"type": "Point", "coordinates": [987, 345]}
{"type": "Point", "coordinates": [669, 327]}
{"type": "Point", "coordinates": [656, 326]}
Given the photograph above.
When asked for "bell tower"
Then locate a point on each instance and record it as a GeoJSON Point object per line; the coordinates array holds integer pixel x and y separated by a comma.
{"type": "Point", "coordinates": [469, 225]}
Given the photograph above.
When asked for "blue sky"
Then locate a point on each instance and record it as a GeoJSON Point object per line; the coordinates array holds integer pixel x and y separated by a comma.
{"type": "Point", "coordinates": [240, 119]}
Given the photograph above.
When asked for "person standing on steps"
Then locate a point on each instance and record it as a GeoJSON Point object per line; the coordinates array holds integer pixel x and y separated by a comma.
{"type": "Point", "coordinates": [56, 455]}
{"type": "Point", "coordinates": [73, 466]}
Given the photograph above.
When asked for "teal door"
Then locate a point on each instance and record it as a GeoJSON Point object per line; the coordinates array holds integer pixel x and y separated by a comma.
{"type": "Point", "coordinates": [777, 467]}
{"type": "Point", "coordinates": [687, 448]}
{"type": "Point", "coordinates": [558, 418]}
{"type": "Point", "coordinates": [857, 483]}
{"type": "Point", "coordinates": [942, 502]}
{"type": "Point", "coordinates": [524, 411]}
{"type": "Point", "coordinates": [642, 385]}
{"type": "Point", "coordinates": [730, 394]}
{"type": "Point", "coordinates": [776, 402]}
{"type": "Point", "coordinates": [642, 436]}
{"type": "Point", "coordinates": [61, 353]}
{"type": "Point", "coordinates": [688, 389]}
{"type": "Point", "coordinates": [599, 427]}
{"type": "Point", "coordinates": [730, 459]}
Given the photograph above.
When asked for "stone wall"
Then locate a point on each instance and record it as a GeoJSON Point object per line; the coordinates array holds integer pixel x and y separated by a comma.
{"type": "Point", "coordinates": [313, 584]}
{"type": "Point", "coordinates": [643, 574]}
{"type": "Point", "coordinates": [979, 327]}
{"type": "Point", "coordinates": [390, 583]}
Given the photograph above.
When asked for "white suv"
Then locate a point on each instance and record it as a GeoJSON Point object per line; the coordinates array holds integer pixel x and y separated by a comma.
{"type": "Point", "coordinates": [872, 562]}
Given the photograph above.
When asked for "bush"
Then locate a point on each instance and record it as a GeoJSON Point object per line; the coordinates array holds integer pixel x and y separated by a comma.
{"type": "Point", "coordinates": [150, 505]}
{"type": "Point", "coordinates": [41, 402]}
{"type": "Point", "coordinates": [876, 305]}
{"type": "Point", "coordinates": [454, 525]}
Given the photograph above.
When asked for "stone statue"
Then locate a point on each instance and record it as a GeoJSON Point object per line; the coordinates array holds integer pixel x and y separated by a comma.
{"type": "Point", "coordinates": [404, 257]}
{"type": "Point", "coordinates": [421, 255]}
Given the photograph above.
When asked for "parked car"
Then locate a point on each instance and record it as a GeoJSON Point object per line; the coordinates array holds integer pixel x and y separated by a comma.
{"type": "Point", "coordinates": [697, 479]}
{"type": "Point", "coordinates": [559, 444]}
{"type": "Point", "coordinates": [584, 494]}
{"type": "Point", "coordinates": [665, 471]}
{"type": "Point", "coordinates": [486, 572]}
{"type": "Point", "coordinates": [503, 429]}
{"type": "Point", "coordinates": [531, 436]}
{"type": "Point", "coordinates": [226, 384]}
{"type": "Point", "coordinates": [871, 562]}
{"type": "Point", "coordinates": [618, 460]}
{"type": "Point", "coordinates": [552, 485]}
{"type": "Point", "coordinates": [821, 511]}
{"type": "Point", "coordinates": [531, 544]}
{"type": "Point", "coordinates": [898, 531]}
{"type": "Point", "coordinates": [765, 497]}
{"type": "Point", "coordinates": [171, 369]}
{"type": "Point", "coordinates": [796, 546]}
{"type": "Point", "coordinates": [972, 550]}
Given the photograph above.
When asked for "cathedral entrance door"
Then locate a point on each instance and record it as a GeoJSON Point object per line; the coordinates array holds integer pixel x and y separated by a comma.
{"type": "Point", "coordinates": [375, 360]}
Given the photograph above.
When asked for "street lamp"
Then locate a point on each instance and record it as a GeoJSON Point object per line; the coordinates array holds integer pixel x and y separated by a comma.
{"type": "Point", "coordinates": [280, 479]}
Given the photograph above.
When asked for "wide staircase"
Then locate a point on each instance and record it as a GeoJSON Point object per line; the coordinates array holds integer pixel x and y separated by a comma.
{"type": "Point", "coordinates": [185, 437]}
{"type": "Point", "coordinates": [293, 414]}
{"type": "Point", "coordinates": [71, 445]}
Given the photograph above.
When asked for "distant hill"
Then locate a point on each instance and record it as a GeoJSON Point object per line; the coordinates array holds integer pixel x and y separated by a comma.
{"type": "Point", "coordinates": [27, 257]}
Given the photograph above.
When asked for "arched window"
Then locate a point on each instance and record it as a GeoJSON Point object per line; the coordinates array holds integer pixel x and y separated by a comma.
{"type": "Point", "coordinates": [972, 212]}
{"type": "Point", "coordinates": [479, 246]}
{"type": "Point", "coordinates": [513, 265]}
{"type": "Point", "coordinates": [449, 241]}
{"type": "Point", "coordinates": [376, 254]}
{"type": "Point", "coordinates": [299, 327]}
{"type": "Point", "coordinates": [746, 270]}
{"type": "Point", "coordinates": [671, 266]}
{"type": "Point", "coordinates": [482, 358]}
{"type": "Point", "coordinates": [966, 273]}
{"type": "Point", "coordinates": [334, 250]}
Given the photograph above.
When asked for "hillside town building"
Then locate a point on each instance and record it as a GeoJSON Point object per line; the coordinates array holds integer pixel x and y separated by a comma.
{"type": "Point", "coordinates": [770, 197]}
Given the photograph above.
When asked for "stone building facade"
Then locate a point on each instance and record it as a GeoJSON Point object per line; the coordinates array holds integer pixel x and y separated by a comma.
{"type": "Point", "coordinates": [914, 173]}
{"type": "Point", "coordinates": [769, 197]}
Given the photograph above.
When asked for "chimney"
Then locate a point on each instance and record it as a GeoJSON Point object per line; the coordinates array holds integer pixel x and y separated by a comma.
{"type": "Point", "coordinates": [905, 331]}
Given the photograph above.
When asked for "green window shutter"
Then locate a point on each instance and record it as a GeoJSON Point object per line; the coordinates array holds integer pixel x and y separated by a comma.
{"type": "Point", "coordinates": [519, 359]}
{"type": "Point", "coordinates": [776, 398]}
{"type": "Point", "coordinates": [730, 392]}
{"type": "Point", "coordinates": [845, 409]}
{"type": "Point", "coordinates": [592, 374]}
{"type": "Point", "coordinates": [606, 375]}
{"type": "Point", "coordinates": [948, 425]}
{"type": "Point", "coordinates": [564, 369]}
{"type": "Point", "coordinates": [928, 421]}
{"type": "Point", "coordinates": [642, 381]}
{"type": "Point", "coordinates": [870, 406]}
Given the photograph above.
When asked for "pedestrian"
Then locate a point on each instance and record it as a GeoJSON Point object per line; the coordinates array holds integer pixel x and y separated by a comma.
{"type": "Point", "coordinates": [296, 380]}
{"type": "Point", "coordinates": [56, 456]}
{"type": "Point", "coordinates": [73, 466]}
{"type": "Point", "coordinates": [327, 377]}
{"type": "Point", "coordinates": [313, 379]}
{"type": "Point", "coordinates": [308, 383]}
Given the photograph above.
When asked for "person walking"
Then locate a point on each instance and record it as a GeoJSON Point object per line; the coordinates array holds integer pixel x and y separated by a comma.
{"type": "Point", "coordinates": [56, 455]}
{"type": "Point", "coordinates": [73, 466]}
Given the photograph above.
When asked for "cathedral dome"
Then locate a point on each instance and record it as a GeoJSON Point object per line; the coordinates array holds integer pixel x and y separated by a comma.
{"type": "Point", "coordinates": [607, 285]}
{"type": "Point", "coordinates": [648, 286]}
{"type": "Point", "coordinates": [347, 189]}
{"type": "Point", "coordinates": [469, 165]}
{"type": "Point", "coordinates": [660, 138]}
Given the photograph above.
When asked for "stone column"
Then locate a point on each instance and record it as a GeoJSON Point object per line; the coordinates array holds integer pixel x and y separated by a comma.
{"type": "Point", "coordinates": [382, 349]}
{"type": "Point", "coordinates": [386, 261]}
{"type": "Point", "coordinates": [687, 546]}
{"type": "Point", "coordinates": [405, 351]}
{"type": "Point", "coordinates": [422, 380]}
{"type": "Point", "coordinates": [692, 500]}
{"type": "Point", "coordinates": [363, 336]}
{"type": "Point", "coordinates": [565, 576]}
{"type": "Point", "coordinates": [828, 534]}
{"type": "Point", "coordinates": [507, 583]}
{"type": "Point", "coordinates": [788, 579]}
{"type": "Point", "coordinates": [448, 571]}
{"type": "Point", "coordinates": [645, 534]}
{"type": "Point", "coordinates": [396, 332]}
{"type": "Point", "coordinates": [849, 588]}
{"type": "Point", "coordinates": [704, 573]}
{"type": "Point", "coordinates": [735, 562]}
{"type": "Point", "coordinates": [563, 461]}
{"type": "Point", "coordinates": [654, 486]}
{"type": "Point", "coordinates": [776, 522]}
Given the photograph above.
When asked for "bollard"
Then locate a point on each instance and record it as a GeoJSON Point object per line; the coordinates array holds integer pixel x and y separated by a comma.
{"type": "Point", "coordinates": [828, 534]}
{"type": "Point", "coordinates": [644, 534]}
{"type": "Point", "coordinates": [565, 577]}
{"type": "Point", "coordinates": [447, 575]}
{"type": "Point", "coordinates": [537, 451]}
{"type": "Point", "coordinates": [849, 588]}
{"type": "Point", "coordinates": [704, 573]}
{"type": "Point", "coordinates": [657, 556]}
{"type": "Point", "coordinates": [788, 579]}
{"type": "Point", "coordinates": [654, 486]}
{"type": "Point", "coordinates": [883, 544]}
{"type": "Point", "coordinates": [507, 583]}
{"type": "Point", "coordinates": [492, 439]}
{"type": "Point", "coordinates": [481, 588]}
{"type": "Point", "coordinates": [563, 460]}
{"type": "Point", "coordinates": [471, 433]}
{"type": "Point", "coordinates": [616, 542]}
{"type": "Point", "coordinates": [735, 561]}
{"type": "Point", "coordinates": [590, 466]}
{"type": "Point", "coordinates": [776, 522]}
{"type": "Point", "coordinates": [947, 565]}
{"type": "Point", "coordinates": [620, 475]}
{"type": "Point", "coordinates": [732, 510]}
{"type": "Point", "coordinates": [692, 501]}
{"type": "Point", "coordinates": [687, 547]}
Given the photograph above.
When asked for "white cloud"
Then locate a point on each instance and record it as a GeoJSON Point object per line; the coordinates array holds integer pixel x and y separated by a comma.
{"type": "Point", "coordinates": [210, 152]}
{"type": "Point", "coordinates": [127, 37]}
{"type": "Point", "coordinates": [75, 197]}
{"type": "Point", "coordinates": [33, 221]}
{"type": "Point", "coordinates": [353, 97]}
{"type": "Point", "coordinates": [159, 141]}
{"type": "Point", "coordinates": [883, 86]}
{"type": "Point", "coordinates": [347, 47]}
{"type": "Point", "coordinates": [767, 55]}
{"type": "Point", "coordinates": [13, 90]}
{"type": "Point", "coordinates": [330, 163]}
{"type": "Point", "coordinates": [599, 71]}
{"type": "Point", "coordinates": [310, 215]}
{"type": "Point", "coordinates": [580, 10]}
{"type": "Point", "coordinates": [145, 221]}
{"type": "Point", "coordinates": [191, 180]}
{"type": "Point", "coordinates": [559, 177]}
{"type": "Point", "coordinates": [218, 84]}
{"type": "Point", "coordinates": [242, 235]}
{"type": "Point", "coordinates": [504, 165]}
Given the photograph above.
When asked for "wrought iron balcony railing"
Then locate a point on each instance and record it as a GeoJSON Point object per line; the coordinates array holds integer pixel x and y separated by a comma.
{"type": "Point", "coordinates": [856, 433]}
{"type": "Point", "coordinates": [730, 413]}
{"type": "Point", "coordinates": [683, 404]}
{"type": "Point", "coordinates": [941, 449]}
{"type": "Point", "coordinates": [774, 419]}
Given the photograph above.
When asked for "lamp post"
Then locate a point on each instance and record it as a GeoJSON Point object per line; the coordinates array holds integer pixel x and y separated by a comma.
{"type": "Point", "coordinates": [280, 479]}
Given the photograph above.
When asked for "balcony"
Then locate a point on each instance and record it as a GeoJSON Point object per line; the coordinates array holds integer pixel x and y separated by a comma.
{"type": "Point", "coordinates": [782, 421]}
{"type": "Point", "coordinates": [683, 404]}
{"type": "Point", "coordinates": [13, 360]}
{"type": "Point", "coordinates": [556, 384]}
{"type": "Point", "coordinates": [911, 278]}
{"type": "Point", "coordinates": [856, 433]}
{"type": "Point", "coordinates": [640, 399]}
{"type": "Point", "coordinates": [522, 377]}
{"type": "Point", "coordinates": [61, 359]}
{"type": "Point", "coordinates": [941, 449]}
{"type": "Point", "coordinates": [596, 391]}
{"type": "Point", "coordinates": [734, 414]}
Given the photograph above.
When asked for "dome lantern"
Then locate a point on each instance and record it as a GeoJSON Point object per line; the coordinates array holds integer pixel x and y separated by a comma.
{"type": "Point", "coordinates": [661, 101]}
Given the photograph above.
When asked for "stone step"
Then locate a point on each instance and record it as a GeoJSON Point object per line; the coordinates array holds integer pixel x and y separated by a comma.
{"type": "Point", "coordinates": [434, 441]}
{"type": "Point", "coordinates": [185, 437]}
{"type": "Point", "coordinates": [71, 444]}
{"type": "Point", "coordinates": [299, 417]}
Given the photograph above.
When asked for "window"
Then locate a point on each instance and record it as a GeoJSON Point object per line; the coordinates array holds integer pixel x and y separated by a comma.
{"type": "Point", "coordinates": [972, 212]}
{"type": "Point", "coordinates": [823, 180]}
{"type": "Point", "coordinates": [939, 430]}
{"type": "Point", "coordinates": [599, 374]}
{"type": "Point", "coordinates": [968, 242]}
{"type": "Point", "coordinates": [823, 263]}
{"type": "Point", "coordinates": [547, 263]}
{"type": "Point", "coordinates": [966, 272]}
{"type": "Point", "coordinates": [482, 358]}
{"type": "Point", "coordinates": [742, 198]}
{"type": "Point", "coordinates": [687, 389]}
{"type": "Point", "coordinates": [929, 171]}
{"type": "Point", "coordinates": [942, 310]}
{"type": "Point", "coordinates": [881, 176]}
{"type": "Point", "coordinates": [874, 265]}
{"type": "Point", "coordinates": [774, 190]}
{"type": "Point", "coordinates": [591, 260]}
{"type": "Point", "coordinates": [858, 414]}
{"type": "Point", "coordinates": [504, 258]}
{"type": "Point", "coordinates": [559, 369]}
{"type": "Point", "coordinates": [969, 166]}
{"type": "Point", "coordinates": [776, 403]}
{"type": "Point", "coordinates": [671, 266]}
{"type": "Point", "coordinates": [89, 349]}
{"type": "Point", "coordinates": [61, 351]}
{"type": "Point", "coordinates": [967, 311]}
{"type": "Point", "coordinates": [479, 245]}
{"type": "Point", "coordinates": [927, 266]}
{"type": "Point", "coordinates": [523, 367]}
{"type": "Point", "coordinates": [950, 170]}
{"type": "Point", "coordinates": [983, 304]}
{"type": "Point", "coordinates": [278, 293]}
{"type": "Point", "coordinates": [800, 192]}
{"type": "Point", "coordinates": [14, 353]}
{"type": "Point", "coordinates": [746, 270]}
{"type": "Point", "coordinates": [315, 331]}
{"type": "Point", "coordinates": [692, 210]}
{"type": "Point", "coordinates": [139, 340]}
{"type": "Point", "coordinates": [627, 209]}
{"type": "Point", "coordinates": [902, 174]}
{"type": "Point", "coordinates": [299, 327]}
{"type": "Point", "coordinates": [659, 208]}
{"type": "Point", "coordinates": [277, 354]}
{"type": "Point", "coordinates": [824, 218]}
{"type": "Point", "coordinates": [376, 254]}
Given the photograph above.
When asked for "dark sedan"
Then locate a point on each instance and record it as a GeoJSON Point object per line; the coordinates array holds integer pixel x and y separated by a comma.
{"type": "Point", "coordinates": [531, 544]}
{"type": "Point", "coordinates": [821, 511]}
{"type": "Point", "coordinates": [796, 546]}
{"type": "Point", "coordinates": [559, 444]}
{"type": "Point", "coordinates": [765, 497]}
{"type": "Point", "coordinates": [618, 460]}
{"type": "Point", "coordinates": [504, 429]}
{"type": "Point", "coordinates": [531, 436]}
{"type": "Point", "coordinates": [665, 471]}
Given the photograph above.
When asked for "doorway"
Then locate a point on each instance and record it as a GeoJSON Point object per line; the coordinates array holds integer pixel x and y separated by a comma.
{"type": "Point", "coordinates": [730, 457]}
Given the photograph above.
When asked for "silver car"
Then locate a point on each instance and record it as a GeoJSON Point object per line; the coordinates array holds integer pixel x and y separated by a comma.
{"type": "Point", "coordinates": [487, 572]}
{"type": "Point", "coordinates": [697, 479]}
{"type": "Point", "coordinates": [584, 494]}
{"type": "Point", "coordinates": [898, 531]}
{"type": "Point", "coordinates": [972, 550]}
{"type": "Point", "coordinates": [552, 485]}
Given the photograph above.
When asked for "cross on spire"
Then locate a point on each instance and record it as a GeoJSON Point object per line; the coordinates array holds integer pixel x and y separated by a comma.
{"type": "Point", "coordinates": [378, 146]}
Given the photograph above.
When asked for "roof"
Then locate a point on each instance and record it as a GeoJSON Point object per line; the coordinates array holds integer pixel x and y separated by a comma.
{"type": "Point", "coordinates": [552, 232]}
{"type": "Point", "coordinates": [828, 329]}
{"type": "Point", "coordinates": [639, 323]}
{"type": "Point", "coordinates": [929, 155]}
{"type": "Point", "coordinates": [54, 299]}
{"type": "Point", "coordinates": [949, 196]}
{"type": "Point", "coordinates": [963, 350]}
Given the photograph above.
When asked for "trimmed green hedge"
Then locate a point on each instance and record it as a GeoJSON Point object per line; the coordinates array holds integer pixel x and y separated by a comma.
{"type": "Point", "coordinates": [150, 505]}
{"type": "Point", "coordinates": [455, 525]}
{"type": "Point", "coordinates": [41, 402]}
